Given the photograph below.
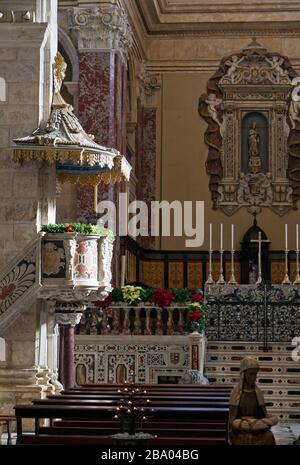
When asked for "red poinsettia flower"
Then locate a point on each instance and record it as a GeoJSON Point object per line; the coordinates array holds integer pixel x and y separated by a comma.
{"type": "Point", "coordinates": [194, 316]}
{"type": "Point", "coordinates": [163, 298]}
{"type": "Point", "coordinates": [104, 303]}
{"type": "Point", "coordinates": [68, 228]}
{"type": "Point", "coordinates": [197, 298]}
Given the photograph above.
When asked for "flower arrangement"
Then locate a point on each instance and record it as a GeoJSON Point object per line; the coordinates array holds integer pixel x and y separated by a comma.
{"type": "Point", "coordinates": [163, 297]}
{"type": "Point", "coordinates": [132, 295]}
{"type": "Point", "coordinates": [104, 303]}
{"type": "Point", "coordinates": [79, 228]}
{"type": "Point", "coordinates": [195, 317]}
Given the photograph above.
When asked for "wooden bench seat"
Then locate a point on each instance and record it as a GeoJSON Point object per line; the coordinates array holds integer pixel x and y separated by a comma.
{"type": "Point", "coordinates": [104, 440]}
{"type": "Point", "coordinates": [85, 415]}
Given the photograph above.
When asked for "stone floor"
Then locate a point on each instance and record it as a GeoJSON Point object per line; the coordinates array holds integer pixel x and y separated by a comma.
{"type": "Point", "coordinates": [285, 434]}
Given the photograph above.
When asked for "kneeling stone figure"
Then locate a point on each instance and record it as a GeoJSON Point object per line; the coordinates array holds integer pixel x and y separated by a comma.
{"type": "Point", "coordinates": [249, 423]}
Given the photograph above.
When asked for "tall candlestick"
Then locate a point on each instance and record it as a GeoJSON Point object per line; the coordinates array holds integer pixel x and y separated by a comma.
{"type": "Point", "coordinates": [210, 277]}
{"type": "Point", "coordinates": [221, 237]}
{"type": "Point", "coordinates": [297, 279]}
{"type": "Point", "coordinates": [286, 279]}
{"type": "Point", "coordinates": [259, 278]}
{"type": "Point", "coordinates": [123, 270]}
{"type": "Point", "coordinates": [232, 277]}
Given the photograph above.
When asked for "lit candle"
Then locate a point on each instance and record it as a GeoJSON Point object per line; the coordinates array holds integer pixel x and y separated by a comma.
{"type": "Point", "coordinates": [210, 236]}
{"type": "Point", "coordinates": [297, 237]}
{"type": "Point", "coordinates": [221, 237]}
{"type": "Point", "coordinates": [232, 237]}
{"type": "Point", "coordinates": [286, 237]}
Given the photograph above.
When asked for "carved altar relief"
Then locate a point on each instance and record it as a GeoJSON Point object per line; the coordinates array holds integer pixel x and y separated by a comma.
{"type": "Point", "coordinates": [247, 109]}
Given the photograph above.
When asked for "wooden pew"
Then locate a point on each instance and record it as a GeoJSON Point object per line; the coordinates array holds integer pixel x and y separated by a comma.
{"type": "Point", "coordinates": [193, 414]}
{"type": "Point", "coordinates": [87, 412]}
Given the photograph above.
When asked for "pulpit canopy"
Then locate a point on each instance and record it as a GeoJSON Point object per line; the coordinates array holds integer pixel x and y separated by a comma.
{"type": "Point", "coordinates": [63, 141]}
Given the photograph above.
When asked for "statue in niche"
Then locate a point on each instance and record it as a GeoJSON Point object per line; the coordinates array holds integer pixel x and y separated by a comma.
{"type": "Point", "coordinates": [253, 272]}
{"type": "Point", "coordinates": [254, 155]}
{"type": "Point", "coordinates": [249, 423]}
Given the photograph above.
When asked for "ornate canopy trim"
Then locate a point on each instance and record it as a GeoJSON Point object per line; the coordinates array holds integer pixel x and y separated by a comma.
{"type": "Point", "coordinates": [62, 140]}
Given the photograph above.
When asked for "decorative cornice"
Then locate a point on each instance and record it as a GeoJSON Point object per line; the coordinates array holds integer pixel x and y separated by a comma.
{"type": "Point", "coordinates": [17, 16]}
{"type": "Point", "coordinates": [104, 27]}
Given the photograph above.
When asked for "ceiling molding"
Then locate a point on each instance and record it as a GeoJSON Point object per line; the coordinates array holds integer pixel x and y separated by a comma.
{"type": "Point", "coordinates": [172, 17]}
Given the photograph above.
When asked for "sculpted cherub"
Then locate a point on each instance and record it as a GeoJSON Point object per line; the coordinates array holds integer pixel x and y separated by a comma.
{"type": "Point", "coordinates": [212, 103]}
{"type": "Point", "coordinates": [233, 65]}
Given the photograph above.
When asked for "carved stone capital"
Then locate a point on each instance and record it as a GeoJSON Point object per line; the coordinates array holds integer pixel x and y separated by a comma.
{"type": "Point", "coordinates": [68, 318]}
{"type": "Point", "coordinates": [104, 27]}
{"type": "Point", "coordinates": [148, 84]}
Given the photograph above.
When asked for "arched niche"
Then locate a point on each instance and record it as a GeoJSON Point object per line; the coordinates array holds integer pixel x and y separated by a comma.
{"type": "Point", "coordinates": [121, 374]}
{"type": "Point", "coordinates": [80, 374]}
{"type": "Point", "coordinates": [261, 123]}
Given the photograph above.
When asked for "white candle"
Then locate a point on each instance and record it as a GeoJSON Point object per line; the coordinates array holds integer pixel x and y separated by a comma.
{"type": "Point", "coordinates": [286, 237]}
{"type": "Point", "coordinates": [210, 236]}
{"type": "Point", "coordinates": [123, 270]}
{"type": "Point", "coordinates": [297, 237]}
{"type": "Point", "coordinates": [232, 237]}
{"type": "Point", "coordinates": [221, 237]}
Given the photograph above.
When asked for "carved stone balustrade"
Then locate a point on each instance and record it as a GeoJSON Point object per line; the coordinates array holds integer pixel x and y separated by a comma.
{"type": "Point", "coordinates": [144, 320]}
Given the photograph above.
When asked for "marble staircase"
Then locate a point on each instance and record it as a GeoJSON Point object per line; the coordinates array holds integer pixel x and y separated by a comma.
{"type": "Point", "coordinates": [279, 376]}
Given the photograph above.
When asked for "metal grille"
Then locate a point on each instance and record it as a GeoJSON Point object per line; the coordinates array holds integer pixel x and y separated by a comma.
{"type": "Point", "coordinates": [263, 313]}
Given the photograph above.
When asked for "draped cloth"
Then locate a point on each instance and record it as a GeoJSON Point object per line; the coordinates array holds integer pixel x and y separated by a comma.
{"type": "Point", "coordinates": [249, 405]}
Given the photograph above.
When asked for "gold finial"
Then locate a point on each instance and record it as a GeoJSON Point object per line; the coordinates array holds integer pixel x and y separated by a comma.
{"type": "Point", "coordinates": [59, 68]}
{"type": "Point", "coordinates": [59, 74]}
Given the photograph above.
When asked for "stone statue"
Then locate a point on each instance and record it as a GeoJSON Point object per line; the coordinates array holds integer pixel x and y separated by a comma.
{"type": "Point", "coordinates": [254, 155]}
{"type": "Point", "coordinates": [212, 103]}
{"type": "Point", "coordinates": [233, 66]}
{"type": "Point", "coordinates": [276, 67]}
{"type": "Point", "coordinates": [249, 423]}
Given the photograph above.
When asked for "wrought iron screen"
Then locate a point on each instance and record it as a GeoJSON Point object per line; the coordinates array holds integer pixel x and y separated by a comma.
{"type": "Point", "coordinates": [265, 313]}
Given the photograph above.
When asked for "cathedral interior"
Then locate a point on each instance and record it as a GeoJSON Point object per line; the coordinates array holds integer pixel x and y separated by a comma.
{"type": "Point", "coordinates": [149, 222]}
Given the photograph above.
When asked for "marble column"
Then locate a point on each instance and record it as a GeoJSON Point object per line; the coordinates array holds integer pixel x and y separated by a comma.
{"type": "Point", "coordinates": [148, 114]}
{"type": "Point", "coordinates": [67, 322]}
{"type": "Point", "coordinates": [102, 36]}
{"type": "Point", "coordinates": [52, 347]}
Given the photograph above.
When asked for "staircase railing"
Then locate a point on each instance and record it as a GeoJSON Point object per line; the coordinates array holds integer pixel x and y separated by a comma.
{"type": "Point", "coordinates": [19, 282]}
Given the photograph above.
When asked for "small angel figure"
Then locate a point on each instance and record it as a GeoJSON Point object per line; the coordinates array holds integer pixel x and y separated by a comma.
{"type": "Point", "coordinates": [276, 66]}
{"type": "Point", "coordinates": [233, 65]}
{"type": "Point", "coordinates": [212, 103]}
